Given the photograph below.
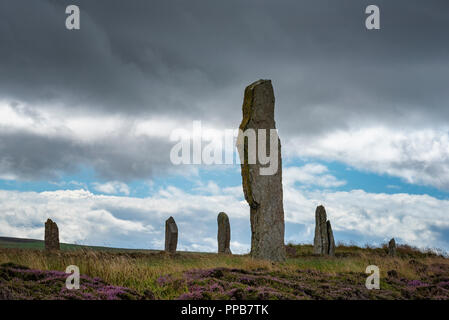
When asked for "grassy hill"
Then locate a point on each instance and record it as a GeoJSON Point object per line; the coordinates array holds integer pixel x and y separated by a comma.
{"type": "Point", "coordinates": [22, 243]}
{"type": "Point", "coordinates": [8, 242]}
{"type": "Point", "coordinates": [413, 274]}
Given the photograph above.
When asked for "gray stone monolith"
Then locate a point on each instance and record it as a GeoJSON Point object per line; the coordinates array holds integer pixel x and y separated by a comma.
{"type": "Point", "coordinates": [392, 248]}
{"type": "Point", "coordinates": [330, 237]}
{"type": "Point", "coordinates": [262, 180]}
{"type": "Point", "coordinates": [51, 236]}
{"type": "Point", "coordinates": [320, 242]}
{"type": "Point", "coordinates": [171, 235]}
{"type": "Point", "coordinates": [323, 243]}
{"type": "Point", "coordinates": [224, 233]}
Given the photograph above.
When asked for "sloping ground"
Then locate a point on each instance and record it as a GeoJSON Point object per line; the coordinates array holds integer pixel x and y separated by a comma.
{"type": "Point", "coordinates": [18, 282]}
{"type": "Point", "coordinates": [224, 284]}
{"type": "Point", "coordinates": [21, 283]}
{"type": "Point", "coordinates": [18, 240]}
{"type": "Point", "coordinates": [24, 243]}
{"type": "Point", "coordinates": [412, 274]}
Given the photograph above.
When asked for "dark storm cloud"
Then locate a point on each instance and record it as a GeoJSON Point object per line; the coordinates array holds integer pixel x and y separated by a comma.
{"type": "Point", "coordinates": [170, 56]}
{"type": "Point", "coordinates": [34, 157]}
{"type": "Point", "coordinates": [31, 156]}
{"type": "Point", "coordinates": [192, 59]}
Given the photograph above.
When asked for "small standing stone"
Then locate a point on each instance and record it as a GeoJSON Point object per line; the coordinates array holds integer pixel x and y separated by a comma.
{"type": "Point", "coordinates": [392, 248]}
{"type": "Point", "coordinates": [51, 236]}
{"type": "Point", "coordinates": [330, 236]}
{"type": "Point", "coordinates": [323, 243]}
{"type": "Point", "coordinates": [224, 233]}
{"type": "Point", "coordinates": [320, 242]}
{"type": "Point", "coordinates": [171, 235]}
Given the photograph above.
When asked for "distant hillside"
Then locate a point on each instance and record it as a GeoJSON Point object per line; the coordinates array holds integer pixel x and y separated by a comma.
{"type": "Point", "coordinates": [18, 240]}
{"type": "Point", "coordinates": [9, 242]}
{"type": "Point", "coordinates": [22, 243]}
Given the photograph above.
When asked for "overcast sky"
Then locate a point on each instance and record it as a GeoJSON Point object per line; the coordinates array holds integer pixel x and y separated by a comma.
{"type": "Point", "coordinates": [86, 117]}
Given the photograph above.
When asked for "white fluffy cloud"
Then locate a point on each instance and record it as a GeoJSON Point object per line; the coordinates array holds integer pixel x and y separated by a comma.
{"type": "Point", "coordinates": [78, 213]}
{"type": "Point", "coordinates": [83, 217]}
{"type": "Point", "coordinates": [418, 220]}
{"type": "Point", "coordinates": [112, 187]}
{"type": "Point", "coordinates": [417, 156]}
{"type": "Point", "coordinates": [86, 218]}
{"type": "Point", "coordinates": [312, 174]}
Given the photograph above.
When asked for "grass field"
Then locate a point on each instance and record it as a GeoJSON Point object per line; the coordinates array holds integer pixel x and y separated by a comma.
{"type": "Point", "coordinates": [412, 274]}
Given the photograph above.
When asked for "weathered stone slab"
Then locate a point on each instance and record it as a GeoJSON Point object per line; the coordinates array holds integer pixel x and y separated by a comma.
{"type": "Point", "coordinates": [320, 242]}
{"type": "Point", "coordinates": [262, 191]}
{"type": "Point", "coordinates": [323, 243]}
{"type": "Point", "coordinates": [224, 233]}
{"type": "Point", "coordinates": [51, 236]}
{"type": "Point", "coordinates": [392, 248]}
{"type": "Point", "coordinates": [171, 235]}
{"type": "Point", "coordinates": [330, 237]}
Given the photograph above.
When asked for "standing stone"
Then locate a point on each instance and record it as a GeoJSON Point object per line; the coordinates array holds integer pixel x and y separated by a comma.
{"type": "Point", "coordinates": [323, 243]}
{"type": "Point", "coordinates": [262, 192]}
{"type": "Point", "coordinates": [171, 235]}
{"type": "Point", "coordinates": [330, 236]}
{"type": "Point", "coordinates": [320, 242]}
{"type": "Point", "coordinates": [51, 236]}
{"type": "Point", "coordinates": [392, 248]}
{"type": "Point", "coordinates": [224, 233]}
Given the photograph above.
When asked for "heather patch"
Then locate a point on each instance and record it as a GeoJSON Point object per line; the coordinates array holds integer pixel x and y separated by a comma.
{"type": "Point", "coordinates": [216, 276]}
{"type": "Point", "coordinates": [21, 283]}
{"type": "Point", "coordinates": [237, 284]}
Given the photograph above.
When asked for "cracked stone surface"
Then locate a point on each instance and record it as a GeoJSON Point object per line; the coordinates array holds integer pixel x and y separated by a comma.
{"type": "Point", "coordinates": [392, 248]}
{"type": "Point", "coordinates": [171, 235]}
{"type": "Point", "coordinates": [224, 233]}
{"type": "Point", "coordinates": [51, 236]}
{"type": "Point", "coordinates": [263, 193]}
{"type": "Point", "coordinates": [323, 243]}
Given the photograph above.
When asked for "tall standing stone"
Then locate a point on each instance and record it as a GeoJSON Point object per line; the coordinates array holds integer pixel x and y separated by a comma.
{"type": "Point", "coordinates": [171, 235]}
{"type": "Point", "coordinates": [262, 192]}
{"type": "Point", "coordinates": [392, 248]}
{"type": "Point", "coordinates": [224, 233]}
{"type": "Point", "coordinates": [51, 236]}
{"type": "Point", "coordinates": [323, 243]}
